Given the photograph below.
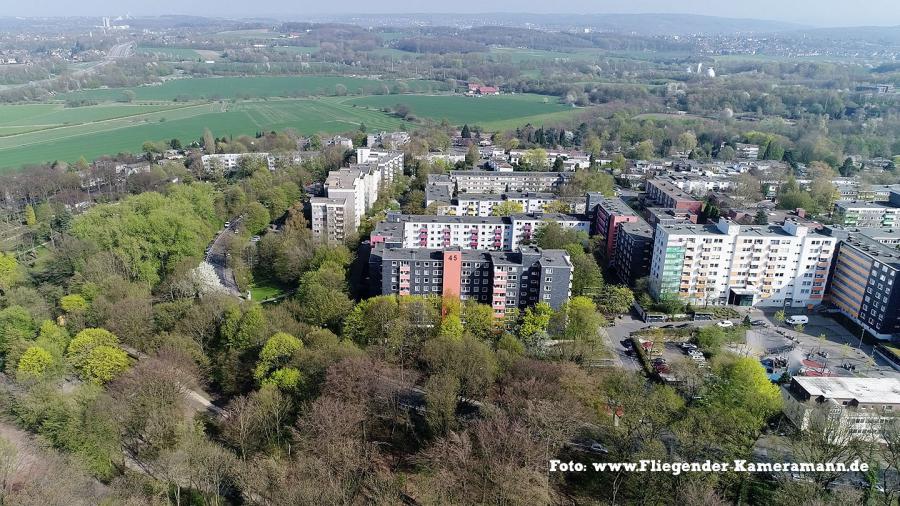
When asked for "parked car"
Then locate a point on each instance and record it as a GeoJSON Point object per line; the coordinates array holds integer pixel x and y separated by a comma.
{"type": "Point", "coordinates": [687, 346]}
{"type": "Point", "coordinates": [797, 319]}
{"type": "Point", "coordinates": [627, 343]}
{"type": "Point", "coordinates": [759, 323]}
{"type": "Point", "coordinates": [725, 324]}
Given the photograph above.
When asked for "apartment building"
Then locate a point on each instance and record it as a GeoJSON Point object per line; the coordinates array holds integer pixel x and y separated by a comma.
{"type": "Point", "coordinates": [493, 233]}
{"type": "Point", "coordinates": [726, 263]}
{"type": "Point", "coordinates": [508, 281]}
{"type": "Point", "coordinates": [389, 163]}
{"type": "Point", "coordinates": [864, 283]}
{"type": "Point", "coordinates": [332, 219]}
{"type": "Point", "coordinates": [485, 181]}
{"type": "Point", "coordinates": [850, 407]}
{"type": "Point", "coordinates": [483, 204]}
{"type": "Point", "coordinates": [228, 162]}
{"type": "Point", "coordinates": [747, 151]}
{"type": "Point", "coordinates": [634, 251]}
{"type": "Point", "coordinates": [359, 186]}
{"type": "Point", "coordinates": [665, 194]}
{"type": "Point", "coordinates": [860, 213]}
{"type": "Point", "coordinates": [610, 213]}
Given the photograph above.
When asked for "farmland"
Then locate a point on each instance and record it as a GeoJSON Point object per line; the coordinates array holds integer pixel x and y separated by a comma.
{"type": "Point", "coordinates": [39, 133]}
{"type": "Point", "coordinates": [493, 112]}
{"type": "Point", "coordinates": [119, 132]}
{"type": "Point", "coordinates": [252, 87]}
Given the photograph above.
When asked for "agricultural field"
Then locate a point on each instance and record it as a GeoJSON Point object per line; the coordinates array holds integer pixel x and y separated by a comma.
{"type": "Point", "coordinates": [215, 88]}
{"type": "Point", "coordinates": [171, 53]}
{"type": "Point", "coordinates": [110, 133]}
{"type": "Point", "coordinates": [492, 113]}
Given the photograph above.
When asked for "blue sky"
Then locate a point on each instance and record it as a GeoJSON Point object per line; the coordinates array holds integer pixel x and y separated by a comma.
{"type": "Point", "coordinates": [810, 12]}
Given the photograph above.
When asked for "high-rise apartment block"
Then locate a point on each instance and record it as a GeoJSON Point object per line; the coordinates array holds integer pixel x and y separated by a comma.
{"type": "Point", "coordinates": [726, 263]}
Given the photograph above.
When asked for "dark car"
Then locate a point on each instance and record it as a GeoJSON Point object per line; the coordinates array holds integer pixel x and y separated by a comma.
{"type": "Point", "coordinates": [627, 343]}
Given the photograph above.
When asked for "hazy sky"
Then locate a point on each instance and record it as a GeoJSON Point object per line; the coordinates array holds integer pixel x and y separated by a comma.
{"type": "Point", "coordinates": [811, 12]}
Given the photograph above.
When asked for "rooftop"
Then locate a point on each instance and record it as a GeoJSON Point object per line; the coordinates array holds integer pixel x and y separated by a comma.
{"type": "Point", "coordinates": [863, 390]}
{"type": "Point", "coordinates": [879, 252]}
{"type": "Point", "coordinates": [861, 204]}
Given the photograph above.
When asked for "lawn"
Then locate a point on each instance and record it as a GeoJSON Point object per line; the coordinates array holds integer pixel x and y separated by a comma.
{"type": "Point", "coordinates": [493, 112]}
{"type": "Point", "coordinates": [249, 87]}
{"type": "Point", "coordinates": [263, 292]}
{"type": "Point", "coordinates": [111, 136]}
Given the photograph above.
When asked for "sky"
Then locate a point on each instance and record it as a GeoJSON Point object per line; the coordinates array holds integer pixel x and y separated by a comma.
{"type": "Point", "coordinates": [807, 12]}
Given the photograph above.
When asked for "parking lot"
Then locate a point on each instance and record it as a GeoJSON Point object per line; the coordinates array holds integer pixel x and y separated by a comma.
{"type": "Point", "coordinates": [823, 340]}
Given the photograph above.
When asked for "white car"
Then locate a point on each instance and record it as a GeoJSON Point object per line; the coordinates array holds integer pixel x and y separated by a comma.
{"type": "Point", "coordinates": [797, 320]}
{"type": "Point", "coordinates": [725, 324]}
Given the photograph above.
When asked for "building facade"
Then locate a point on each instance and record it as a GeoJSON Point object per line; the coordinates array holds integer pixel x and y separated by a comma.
{"type": "Point", "coordinates": [726, 263]}
{"type": "Point", "coordinates": [610, 213]}
{"type": "Point", "coordinates": [859, 213]}
{"type": "Point", "coordinates": [484, 181]}
{"type": "Point", "coordinates": [665, 194]}
{"type": "Point", "coordinates": [492, 233]}
{"type": "Point", "coordinates": [633, 252]}
{"type": "Point", "coordinates": [508, 281]}
{"type": "Point", "coordinates": [358, 186]}
{"type": "Point", "coordinates": [854, 408]}
{"type": "Point", "coordinates": [332, 219]}
{"type": "Point", "coordinates": [864, 284]}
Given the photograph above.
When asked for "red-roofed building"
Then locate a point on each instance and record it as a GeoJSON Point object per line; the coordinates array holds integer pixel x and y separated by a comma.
{"type": "Point", "coordinates": [477, 89]}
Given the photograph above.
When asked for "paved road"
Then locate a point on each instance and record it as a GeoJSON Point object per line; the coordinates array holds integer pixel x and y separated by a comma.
{"type": "Point", "coordinates": [216, 257]}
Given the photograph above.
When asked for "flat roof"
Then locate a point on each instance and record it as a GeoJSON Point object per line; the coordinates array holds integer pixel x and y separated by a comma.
{"type": "Point", "coordinates": [863, 390]}
{"type": "Point", "coordinates": [745, 230]}
{"type": "Point", "coordinates": [877, 251]}
{"type": "Point", "coordinates": [862, 204]}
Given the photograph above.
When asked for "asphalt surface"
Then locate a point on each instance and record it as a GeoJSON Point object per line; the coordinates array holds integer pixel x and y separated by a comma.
{"type": "Point", "coordinates": [216, 256]}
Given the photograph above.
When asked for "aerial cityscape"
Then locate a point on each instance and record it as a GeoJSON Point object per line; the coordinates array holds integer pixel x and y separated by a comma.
{"type": "Point", "coordinates": [511, 257]}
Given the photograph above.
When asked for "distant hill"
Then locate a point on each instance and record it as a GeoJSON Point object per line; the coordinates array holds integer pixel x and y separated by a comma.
{"type": "Point", "coordinates": [645, 24]}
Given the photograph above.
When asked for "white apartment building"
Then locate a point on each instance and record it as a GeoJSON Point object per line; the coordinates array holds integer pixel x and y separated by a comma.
{"type": "Point", "coordinates": [230, 161]}
{"type": "Point", "coordinates": [332, 219]}
{"type": "Point", "coordinates": [726, 263]}
{"type": "Point", "coordinates": [477, 204]}
{"type": "Point", "coordinates": [850, 408]}
{"type": "Point", "coordinates": [486, 181]}
{"type": "Point", "coordinates": [390, 163]}
{"type": "Point", "coordinates": [358, 187]}
{"type": "Point", "coordinates": [490, 233]}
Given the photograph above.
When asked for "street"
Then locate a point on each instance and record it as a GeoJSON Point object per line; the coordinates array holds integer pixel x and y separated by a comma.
{"type": "Point", "coordinates": [217, 257]}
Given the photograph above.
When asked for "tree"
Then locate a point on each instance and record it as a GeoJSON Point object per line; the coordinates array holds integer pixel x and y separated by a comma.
{"type": "Point", "coordinates": [256, 218]}
{"type": "Point", "coordinates": [686, 142]}
{"type": "Point", "coordinates": [535, 321]}
{"type": "Point", "coordinates": [506, 208]}
{"type": "Point", "coordinates": [761, 218]}
{"type": "Point", "coordinates": [34, 364]}
{"type": "Point", "coordinates": [10, 273]}
{"type": "Point", "coordinates": [73, 303]}
{"type": "Point", "coordinates": [441, 398]}
{"type": "Point", "coordinates": [615, 299]}
{"type": "Point", "coordinates": [535, 159]}
{"type": "Point", "coordinates": [103, 364]}
{"type": "Point", "coordinates": [644, 150]}
{"type": "Point", "coordinates": [727, 153]}
{"type": "Point", "coordinates": [96, 355]}
{"type": "Point", "coordinates": [452, 327]}
{"type": "Point", "coordinates": [472, 155]}
{"type": "Point", "coordinates": [30, 218]}
{"type": "Point", "coordinates": [209, 142]}
{"type": "Point", "coordinates": [277, 351]}
{"type": "Point", "coordinates": [465, 133]}
{"type": "Point", "coordinates": [578, 320]}
{"type": "Point", "coordinates": [780, 316]}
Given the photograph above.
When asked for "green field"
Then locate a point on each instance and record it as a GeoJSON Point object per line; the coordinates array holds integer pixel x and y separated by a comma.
{"type": "Point", "coordinates": [248, 87]}
{"type": "Point", "coordinates": [95, 138]}
{"type": "Point", "coordinates": [493, 113]}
